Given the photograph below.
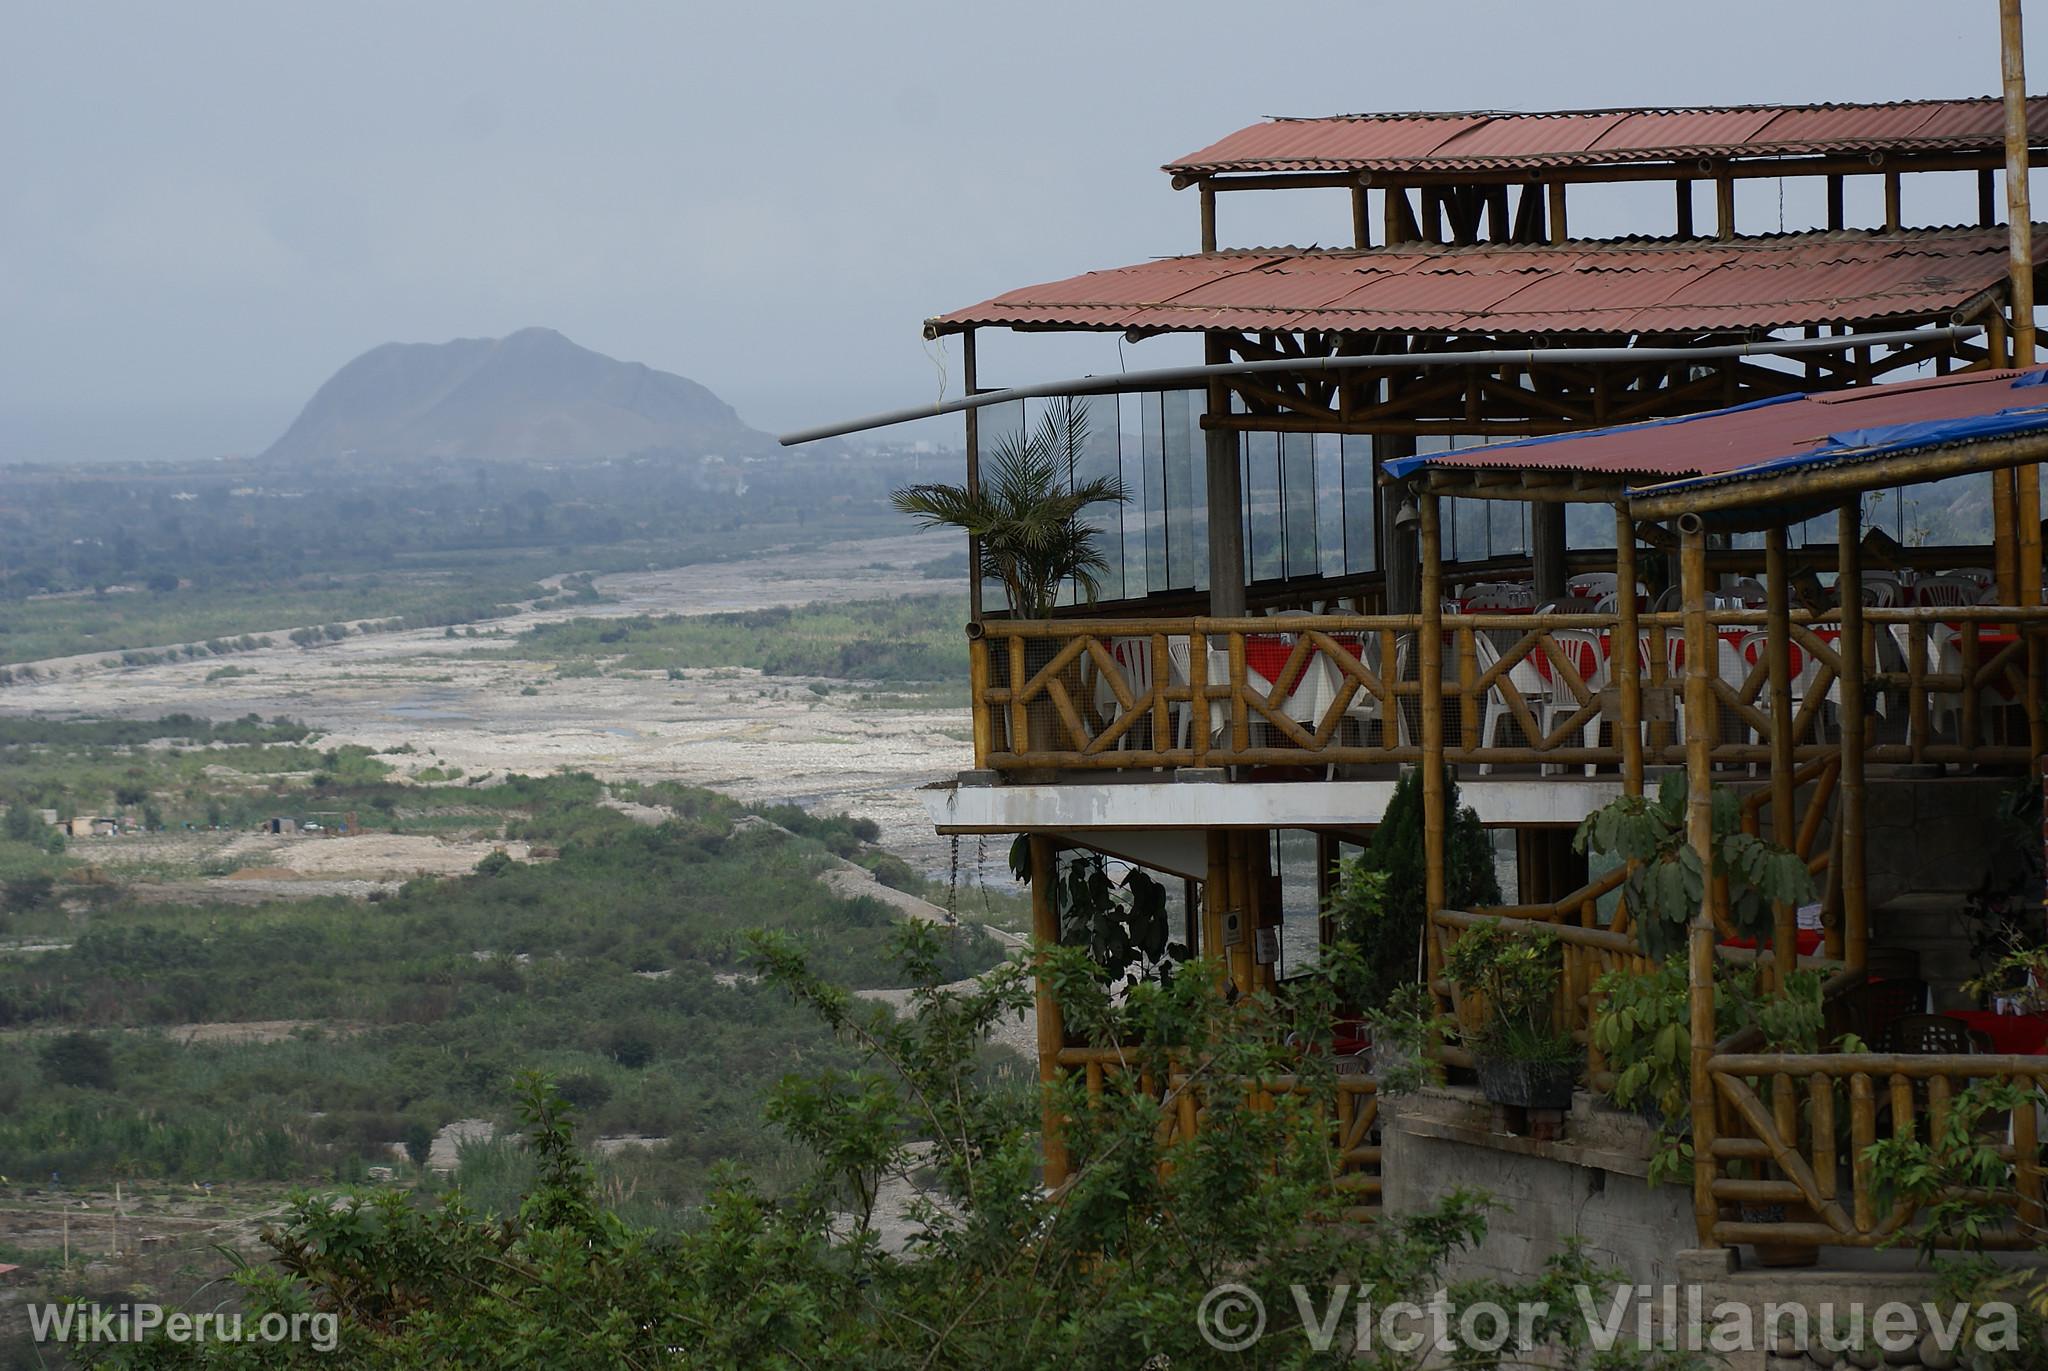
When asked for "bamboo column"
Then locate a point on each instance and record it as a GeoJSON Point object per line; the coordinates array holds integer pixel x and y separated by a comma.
{"type": "Point", "coordinates": [1045, 933]}
{"type": "Point", "coordinates": [1627, 653]}
{"type": "Point", "coordinates": [1215, 896]}
{"type": "Point", "coordinates": [1242, 968]}
{"type": "Point", "coordinates": [1701, 660]}
{"type": "Point", "coordinates": [2020, 254]}
{"type": "Point", "coordinates": [1853, 652]}
{"type": "Point", "coordinates": [1432, 658]}
{"type": "Point", "coordinates": [1778, 648]}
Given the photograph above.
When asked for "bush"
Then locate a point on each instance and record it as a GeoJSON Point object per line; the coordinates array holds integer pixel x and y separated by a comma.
{"type": "Point", "coordinates": [79, 1059]}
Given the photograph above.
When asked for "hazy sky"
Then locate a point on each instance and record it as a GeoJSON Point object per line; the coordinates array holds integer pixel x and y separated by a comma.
{"type": "Point", "coordinates": [206, 208]}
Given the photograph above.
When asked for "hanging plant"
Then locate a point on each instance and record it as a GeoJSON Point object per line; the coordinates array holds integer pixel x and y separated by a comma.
{"type": "Point", "coordinates": [1668, 885]}
{"type": "Point", "coordinates": [1122, 924]}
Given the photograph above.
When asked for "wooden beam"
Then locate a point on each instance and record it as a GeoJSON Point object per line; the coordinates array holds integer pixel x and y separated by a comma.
{"type": "Point", "coordinates": [1045, 933]}
{"type": "Point", "coordinates": [1701, 661]}
{"type": "Point", "coordinates": [1891, 202]}
{"type": "Point", "coordinates": [1778, 650]}
{"type": "Point", "coordinates": [1835, 212]}
{"type": "Point", "coordinates": [1683, 188]}
{"type": "Point", "coordinates": [1851, 650]}
{"type": "Point", "coordinates": [1226, 498]}
{"type": "Point", "coordinates": [1628, 665]}
{"type": "Point", "coordinates": [1361, 229]}
{"type": "Point", "coordinates": [1434, 839]}
{"type": "Point", "coordinates": [1724, 206]}
{"type": "Point", "coordinates": [1554, 196]}
{"type": "Point", "coordinates": [1209, 218]}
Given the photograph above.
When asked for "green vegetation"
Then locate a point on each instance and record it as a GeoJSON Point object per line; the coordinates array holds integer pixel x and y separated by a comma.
{"type": "Point", "coordinates": [871, 640]}
{"type": "Point", "coordinates": [1114, 1268]}
{"type": "Point", "coordinates": [618, 965]}
{"type": "Point", "coordinates": [1379, 896]}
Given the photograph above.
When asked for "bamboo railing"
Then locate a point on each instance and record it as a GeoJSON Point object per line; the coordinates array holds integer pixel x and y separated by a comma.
{"type": "Point", "coordinates": [1792, 1137]}
{"type": "Point", "coordinates": [1143, 694]}
{"type": "Point", "coordinates": [1184, 1103]}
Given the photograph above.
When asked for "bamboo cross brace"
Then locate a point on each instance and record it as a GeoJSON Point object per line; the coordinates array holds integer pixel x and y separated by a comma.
{"type": "Point", "coordinates": [1737, 1094]}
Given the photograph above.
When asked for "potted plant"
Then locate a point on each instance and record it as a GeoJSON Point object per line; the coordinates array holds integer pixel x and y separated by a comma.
{"type": "Point", "coordinates": [1509, 977]}
{"type": "Point", "coordinates": [1026, 513]}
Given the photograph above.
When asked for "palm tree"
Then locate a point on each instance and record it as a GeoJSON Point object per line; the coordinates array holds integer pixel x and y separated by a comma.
{"type": "Point", "coordinates": [1027, 513]}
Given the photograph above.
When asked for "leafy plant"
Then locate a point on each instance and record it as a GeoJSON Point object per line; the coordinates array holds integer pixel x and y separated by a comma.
{"type": "Point", "coordinates": [1378, 898]}
{"type": "Point", "coordinates": [1122, 924]}
{"type": "Point", "coordinates": [1512, 974]}
{"type": "Point", "coordinates": [1667, 884]}
{"type": "Point", "coordinates": [1027, 512]}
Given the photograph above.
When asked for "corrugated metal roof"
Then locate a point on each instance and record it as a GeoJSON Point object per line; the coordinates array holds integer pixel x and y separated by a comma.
{"type": "Point", "coordinates": [1767, 434]}
{"type": "Point", "coordinates": [1606, 288]}
{"type": "Point", "coordinates": [1508, 141]}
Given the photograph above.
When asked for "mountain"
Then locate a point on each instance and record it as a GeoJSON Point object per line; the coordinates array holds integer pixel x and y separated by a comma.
{"type": "Point", "coordinates": [531, 395]}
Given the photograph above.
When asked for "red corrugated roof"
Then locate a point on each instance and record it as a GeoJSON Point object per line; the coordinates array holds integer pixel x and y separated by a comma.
{"type": "Point", "coordinates": [1621, 287]}
{"type": "Point", "coordinates": [1762, 433]}
{"type": "Point", "coordinates": [1504, 141]}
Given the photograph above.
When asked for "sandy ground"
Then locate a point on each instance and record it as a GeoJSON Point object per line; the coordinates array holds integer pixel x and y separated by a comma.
{"type": "Point", "coordinates": [753, 737]}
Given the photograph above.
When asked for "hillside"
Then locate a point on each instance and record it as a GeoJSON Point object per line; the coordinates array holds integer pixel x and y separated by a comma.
{"type": "Point", "coordinates": [532, 395]}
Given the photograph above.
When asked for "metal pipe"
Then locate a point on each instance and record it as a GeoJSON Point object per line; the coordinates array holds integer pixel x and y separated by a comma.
{"type": "Point", "coordinates": [1194, 377]}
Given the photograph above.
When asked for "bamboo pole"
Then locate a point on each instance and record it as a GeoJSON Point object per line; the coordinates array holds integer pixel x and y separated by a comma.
{"type": "Point", "coordinates": [1628, 657]}
{"type": "Point", "coordinates": [1241, 966]}
{"type": "Point", "coordinates": [977, 676]}
{"type": "Point", "coordinates": [1216, 898]}
{"type": "Point", "coordinates": [1852, 651]}
{"type": "Point", "coordinates": [1432, 663]}
{"type": "Point", "coordinates": [1700, 661]}
{"type": "Point", "coordinates": [1778, 646]}
{"type": "Point", "coordinates": [1045, 933]}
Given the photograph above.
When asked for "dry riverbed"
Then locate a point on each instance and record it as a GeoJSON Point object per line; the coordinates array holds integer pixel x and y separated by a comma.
{"type": "Point", "coordinates": [753, 737]}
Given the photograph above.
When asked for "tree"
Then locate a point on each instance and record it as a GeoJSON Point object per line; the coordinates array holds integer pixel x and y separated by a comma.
{"type": "Point", "coordinates": [79, 1059]}
{"type": "Point", "coordinates": [1112, 1268]}
{"type": "Point", "coordinates": [1027, 512]}
{"type": "Point", "coordinates": [1379, 899]}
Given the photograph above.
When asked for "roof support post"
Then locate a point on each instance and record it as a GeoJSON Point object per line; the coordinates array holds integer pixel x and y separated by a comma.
{"type": "Point", "coordinates": [1853, 652]}
{"type": "Point", "coordinates": [2020, 237]}
{"type": "Point", "coordinates": [1546, 545]}
{"type": "Point", "coordinates": [1431, 654]}
{"type": "Point", "coordinates": [1361, 225]}
{"type": "Point", "coordinates": [1893, 220]}
{"type": "Point", "coordinates": [1778, 660]}
{"type": "Point", "coordinates": [1226, 497]}
{"type": "Point", "coordinates": [1554, 193]}
{"type": "Point", "coordinates": [1400, 554]}
{"type": "Point", "coordinates": [1045, 933]}
{"type": "Point", "coordinates": [1628, 665]}
{"type": "Point", "coordinates": [969, 383]}
{"type": "Point", "coordinates": [1682, 188]}
{"type": "Point", "coordinates": [1700, 662]}
{"type": "Point", "coordinates": [1724, 206]}
{"type": "Point", "coordinates": [1836, 215]}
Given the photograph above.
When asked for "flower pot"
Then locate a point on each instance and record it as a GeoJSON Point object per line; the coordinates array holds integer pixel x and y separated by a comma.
{"type": "Point", "coordinates": [1527, 1085]}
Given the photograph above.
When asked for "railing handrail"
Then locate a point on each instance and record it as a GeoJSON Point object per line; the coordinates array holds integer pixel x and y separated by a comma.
{"type": "Point", "coordinates": [1912, 1065]}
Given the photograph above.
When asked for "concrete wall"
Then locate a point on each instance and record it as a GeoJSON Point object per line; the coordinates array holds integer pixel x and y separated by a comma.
{"type": "Point", "coordinates": [1591, 1185]}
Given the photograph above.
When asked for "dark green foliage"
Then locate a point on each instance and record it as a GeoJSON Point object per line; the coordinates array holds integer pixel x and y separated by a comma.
{"type": "Point", "coordinates": [78, 1059]}
{"type": "Point", "coordinates": [1110, 1270]}
{"type": "Point", "coordinates": [1665, 888]}
{"type": "Point", "coordinates": [29, 730]}
{"type": "Point", "coordinates": [1380, 895]}
{"type": "Point", "coordinates": [1122, 925]}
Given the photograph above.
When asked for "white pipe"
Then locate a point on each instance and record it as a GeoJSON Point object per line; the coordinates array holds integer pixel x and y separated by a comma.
{"type": "Point", "coordinates": [1176, 378]}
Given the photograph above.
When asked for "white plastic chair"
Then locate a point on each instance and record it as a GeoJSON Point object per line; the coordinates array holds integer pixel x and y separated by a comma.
{"type": "Point", "coordinates": [1585, 651]}
{"type": "Point", "coordinates": [1536, 690]}
{"type": "Point", "coordinates": [1591, 585]}
{"type": "Point", "coordinates": [1500, 595]}
{"type": "Point", "coordinates": [1133, 656]}
{"type": "Point", "coordinates": [1948, 591]}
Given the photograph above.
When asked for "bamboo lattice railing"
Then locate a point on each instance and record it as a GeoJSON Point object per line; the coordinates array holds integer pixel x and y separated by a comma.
{"type": "Point", "coordinates": [1143, 694]}
{"type": "Point", "coordinates": [1801, 1127]}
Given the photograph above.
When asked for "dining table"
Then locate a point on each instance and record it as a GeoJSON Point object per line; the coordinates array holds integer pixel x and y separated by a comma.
{"type": "Point", "coordinates": [2018, 1035]}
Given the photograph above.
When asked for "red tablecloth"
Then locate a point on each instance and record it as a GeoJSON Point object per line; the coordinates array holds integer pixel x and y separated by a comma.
{"type": "Point", "coordinates": [1809, 942]}
{"type": "Point", "coordinates": [1267, 653]}
{"type": "Point", "coordinates": [2016, 1034]}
